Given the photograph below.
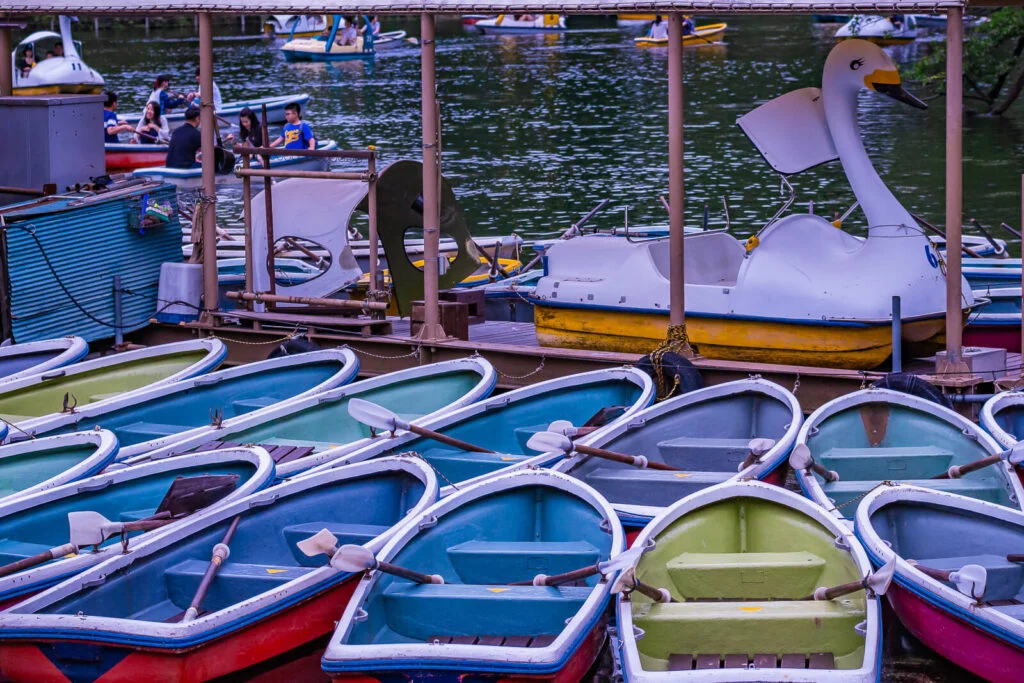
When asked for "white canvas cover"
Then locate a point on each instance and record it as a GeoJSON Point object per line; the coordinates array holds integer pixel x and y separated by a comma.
{"type": "Point", "coordinates": [790, 131]}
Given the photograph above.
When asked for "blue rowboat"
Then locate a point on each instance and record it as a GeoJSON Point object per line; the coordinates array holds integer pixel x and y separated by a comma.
{"type": "Point", "coordinates": [996, 323]}
{"type": "Point", "coordinates": [40, 464]}
{"type": "Point", "coordinates": [978, 625]}
{"type": "Point", "coordinates": [509, 528]}
{"type": "Point", "coordinates": [267, 599]}
{"type": "Point", "coordinates": [877, 435]}
{"type": "Point", "coordinates": [30, 358]}
{"type": "Point", "coordinates": [1002, 416]}
{"type": "Point", "coordinates": [705, 434]}
{"type": "Point", "coordinates": [152, 418]}
{"type": "Point", "coordinates": [741, 562]}
{"type": "Point", "coordinates": [503, 424]}
{"type": "Point", "coordinates": [231, 110]}
{"type": "Point", "coordinates": [119, 374]}
{"type": "Point", "coordinates": [38, 522]}
{"type": "Point", "coordinates": [302, 433]}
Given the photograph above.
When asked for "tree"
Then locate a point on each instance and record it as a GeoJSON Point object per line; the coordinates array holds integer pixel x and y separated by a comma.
{"type": "Point", "coordinates": [993, 64]}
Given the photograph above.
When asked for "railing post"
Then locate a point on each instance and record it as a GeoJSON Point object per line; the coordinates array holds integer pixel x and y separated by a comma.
{"type": "Point", "coordinates": [954, 189]}
{"type": "Point", "coordinates": [432, 330]}
{"type": "Point", "coordinates": [207, 121]}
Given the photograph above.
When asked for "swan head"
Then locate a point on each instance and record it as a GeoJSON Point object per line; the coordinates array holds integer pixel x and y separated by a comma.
{"type": "Point", "coordinates": [856, 64]}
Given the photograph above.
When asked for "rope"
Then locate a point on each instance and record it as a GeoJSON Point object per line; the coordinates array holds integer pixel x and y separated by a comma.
{"type": "Point", "coordinates": [678, 342]}
{"type": "Point", "coordinates": [438, 472]}
{"type": "Point", "coordinates": [884, 482]}
{"type": "Point", "coordinates": [295, 333]}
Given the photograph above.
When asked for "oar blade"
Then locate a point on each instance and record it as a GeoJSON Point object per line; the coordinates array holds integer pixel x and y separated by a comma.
{"type": "Point", "coordinates": [88, 528]}
{"type": "Point", "coordinates": [623, 560]}
{"type": "Point", "coordinates": [321, 543]}
{"type": "Point", "coordinates": [353, 558]}
{"type": "Point", "coordinates": [880, 581]}
{"type": "Point", "coordinates": [971, 580]}
{"type": "Point", "coordinates": [800, 458]}
{"type": "Point", "coordinates": [760, 446]}
{"type": "Point", "coordinates": [373, 415]}
{"type": "Point", "coordinates": [563, 427]}
{"type": "Point", "coordinates": [626, 581]}
{"type": "Point", "coordinates": [545, 442]}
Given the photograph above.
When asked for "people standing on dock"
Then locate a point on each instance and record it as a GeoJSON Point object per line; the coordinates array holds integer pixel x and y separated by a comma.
{"type": "Point", "coordinates": [163, 97]}
{"type": "Point", "coordinates": [193, 97]}
{"type": "Point", "coordinates": [250, 134]}
{"type": "Point", "coordinates": [296, 134]}
{"type": "Point", "coordinates": [27, 61]}
{"type": "Point", "coordinates": [659, 29]}
{"type": "Point", "coordinates": [111, 124]}
{"type": "Point", "coordinates": [152, 128]}
{"type": "Point", "coordinates": [183, 150]}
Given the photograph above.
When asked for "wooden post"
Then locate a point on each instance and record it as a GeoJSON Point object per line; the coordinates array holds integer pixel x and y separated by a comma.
{"type": "Point", "coordinates": [6, 65]}
{"type": "Point", "coordinates": [676, 191]}
{"type": "Point", "coordinates": [207, 123]}
{"type": "Point", "coordinates": [431, 330]}
{"type": "Point", "coordinates": [954, 186]}
{"type": "Point", "coordinates": [371, 166]}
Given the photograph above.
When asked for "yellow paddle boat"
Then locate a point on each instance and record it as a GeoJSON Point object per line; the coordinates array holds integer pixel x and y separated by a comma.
{"type": "Point", "coordinates": [703, 35]}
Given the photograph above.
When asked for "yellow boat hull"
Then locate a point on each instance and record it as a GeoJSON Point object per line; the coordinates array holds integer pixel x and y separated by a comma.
{"type": "Point", "coordinates": [860, 347]}
{"type": "Point", "coordinates": [878, 40]}
{"type": "Point", "coordinates": [60, 89]}
{"type": "Point", "coordinates": [711, 33]}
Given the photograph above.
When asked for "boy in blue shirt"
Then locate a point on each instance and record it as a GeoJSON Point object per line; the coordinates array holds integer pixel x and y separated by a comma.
{"type": "Point", "coordinates": [111, 124]}
{"type": "Point", "coordinates": [296, 134]}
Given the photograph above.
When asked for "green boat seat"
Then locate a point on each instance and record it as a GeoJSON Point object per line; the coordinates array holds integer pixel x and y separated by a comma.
{"type": "Point", "coordinates": [420, 611]}
{"type": "Point", "coordinates": [746, 576]}
{"type": "Point", "coordinates": [491, 562]}
{"type": "Point", "coordinates": [749, 627]}
{"type": "Point", "coordinates": [658, 488]}
{"type": "Point", "coordinates": [798, 660]}
{"type": "Point", "coordinates": [103, 396]}
{"type": "Point", "coordinates": [990, 490]}
{"type": "Point", "coordinates": [357, 534]}
{"type": "Point", "coordinates": [1005, 578]}
{"type": "Point", "coordinates": [137, 432]}
{"type": "Point", "coordinates": [524, 433]}
{"type": "Point", "coordinates": [247, 405]}
{"type": "Point", "coordinates": [234, 582]}
{"type": "Point", "coordinates": [12, 550]}
{"type": "Point", "coordinates": [703, 453]}
{"type": "Point", "coordinates": [458, 465]}
{"type": "Point", "coordinates": [892, 462]}
{"type": "Point", "coordinates": [15, 419]}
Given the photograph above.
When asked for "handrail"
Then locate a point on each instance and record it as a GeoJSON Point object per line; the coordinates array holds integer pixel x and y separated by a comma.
{"type": "Point", "coordinates": [328, 153]}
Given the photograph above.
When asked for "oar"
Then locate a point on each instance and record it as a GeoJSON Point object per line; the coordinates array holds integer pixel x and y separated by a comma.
{"type": "Point", "coordinates": [620, 561]}
{"type": "Point", "coordinates": [92, 528]}
{"type": "Point", "coordinates": [39, 558]}
{"type": "Point", "coordinates": [1013, 455]}
{"type": "Point", "coordinates": [146, 135]}
{"type": "Point", "coordinates": [801, 459]}
{"type": "Point", "coordinates": [1015, 557]}
{"type": "Point", "coordinates": [1012, 230]}
{"type": "Point", "coordinates": [220, 553]}
{"type": "Point", "coordinates": [573, 229]}
{"type": "Point", "coordinates": [984, 232]}
{"type": "Point", "coordinates": [545, 442]}
{"type": "Point", "coordinates": [971, 579]}
{"type": "Point", "coordinates": [878, 582]}
{"type": "Point", "coordinates": [967, 250]}
{"type": "Point", "coordinates": [355, 558]}
{"type": "Point", "coordinates": [758, 447]}
{"type": "Point", "coordinates": [379, 417]}
{"type": "Point", "coordinates": [627, 583]}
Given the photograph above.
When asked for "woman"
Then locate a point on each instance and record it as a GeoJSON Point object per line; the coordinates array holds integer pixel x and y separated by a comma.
{"type": "Point", "coordinates": [153, 127]}
{"type": "Point", "coordinates": [27, 61]}
{"type": "Point", "coordinates": [249, 132]}
{"type": "Point", "coordinates": [165, 99]}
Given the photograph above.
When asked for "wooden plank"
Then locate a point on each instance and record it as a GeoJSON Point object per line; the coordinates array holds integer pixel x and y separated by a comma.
{"type": "Point", "coordinates": [766, 661]}
{"type": "Point", "coordinates": [464, 640]}
{"type": "Point", "coordinates": [680, 662]}
{"type": "Point", "coordinates": [709, 661]}
{"type": "Point", "coordinates": [736, 661]}
{"type": "Point", "coordinates": [490, 640]}
{"type": "Point", "coordinates": [542, 641]}
{"type": "Point", "coordinates": [443, 640]}
{"type": "Point", "coordinates": [296, 453]}
{"type": "Point", "coordinates": [794, 661]}
{"type": "Point", "coordinates": [517, 641]}
{"type": "Point", "coordinates": [821, 660]}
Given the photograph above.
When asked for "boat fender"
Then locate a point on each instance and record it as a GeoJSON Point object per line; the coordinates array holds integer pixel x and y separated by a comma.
{"type": "Point", "coordinates": [293, 347]}
{"type": "Point", "coordinates": [908, 383]}
{"type": "Point", "coordinates": [674, 366]}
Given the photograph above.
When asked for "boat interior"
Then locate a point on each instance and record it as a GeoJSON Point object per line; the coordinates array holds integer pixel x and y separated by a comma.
{"type": "Point", "coordinates": [741, 570]}
{"type": "Point", "coordinates": [711, 258]}
{"type": "Point", "coordinates": [479, 548]}
{"type": "Point", "coordinates": [1010, 417]}
{"type": "Point", "coordinates": [707, 441]}
{"type": "Point", "coordinates": [264, 556]}
{"type": "Point", "coordinates": [14, 363]}
{"type": "Point", "coordinates": [872, 442]}
{"type": "Point", "coordinates": [944, 537]}
{"type": "Point", "coordinates": [507, 427]}
{"type": "Point", "coordinates": [28, 469]}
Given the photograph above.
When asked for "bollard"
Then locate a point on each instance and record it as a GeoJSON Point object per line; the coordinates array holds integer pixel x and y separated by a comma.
{"type": "Point", "coordinates": [897, 336]}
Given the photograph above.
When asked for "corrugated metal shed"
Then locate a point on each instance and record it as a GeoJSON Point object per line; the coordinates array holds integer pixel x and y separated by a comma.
{"type": "Point", "coordinates": [84, 242]}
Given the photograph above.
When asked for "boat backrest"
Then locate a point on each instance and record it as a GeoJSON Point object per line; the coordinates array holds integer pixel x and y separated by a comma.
{"type": "Point", "coordinates": [712, 258]}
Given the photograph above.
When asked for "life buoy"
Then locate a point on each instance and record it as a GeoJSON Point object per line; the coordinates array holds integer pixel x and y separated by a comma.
{"type": "Point", "coordinates": [673, 366]}
{"type": "Point", "coordinates": [908, 383]}
{"type": "Point", "coordinates": [293, 347]}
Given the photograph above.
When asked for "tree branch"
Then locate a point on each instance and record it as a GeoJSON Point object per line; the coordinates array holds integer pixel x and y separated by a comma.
{"type": "Point", "coordinates": [982, 95]}
{"type": "Point", "coordinates": [1015, 90]}
{"type": "Point", "coordinates": [997, 87]}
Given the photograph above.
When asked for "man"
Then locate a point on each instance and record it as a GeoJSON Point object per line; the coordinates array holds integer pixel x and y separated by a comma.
{"type": "Point", "coordinates": [218, 103]}
{"type": "Point", "coordinates": [185, 142]}
{"type": "Point", "coordinates": [688, 26]}
{"type": "Point", "coordinates": [348, 34]}
{"type": "Point", "coordinates": [296, 134]}
{"type": "Point", "coordinates": [58, 50]}
{"type": "Point", "coordinates": [111, 124]}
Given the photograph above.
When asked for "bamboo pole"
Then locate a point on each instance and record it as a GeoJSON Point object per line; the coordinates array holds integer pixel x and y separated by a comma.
{"type": "Point", "coordinates": [309, 300]}
{"type": "Point", "coordinates": [431, 330]}
{"type": "Point", "coordinates": [207, 126]}
{"type": "Point", "coordinates": [677, 302]}
{"type": "Point", "coordinates": [954, 184]}
{"type": "Point", "coordinates": [283, 173]}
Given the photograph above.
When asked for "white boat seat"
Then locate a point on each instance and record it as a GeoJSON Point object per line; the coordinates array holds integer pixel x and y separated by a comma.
{"type": "Point", "coordinates": [699, 453]}
{"type": "Point", "coordinates": [746, 576]}
{"type": "Point", "coordinates": [890, 462]}
{"type": "Point", "coordinates": [712, 258]}
{"type": "Point", "coordinates": [1005, 578]}
{"type": "Point", "coordinates": [235, 581]}
{"type": "Point", "coordinates": [490, 562]}
{"type": "Point", "coordinates": [632, 485]}
{"type": "Point", "coordinates": [356, 534]}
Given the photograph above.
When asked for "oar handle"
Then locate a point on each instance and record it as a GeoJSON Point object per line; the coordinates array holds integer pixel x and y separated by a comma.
{"type": "Point", "coordinates": [404, 573]}
{"type": "Point", "coordinates": [824, 472]}
{"type": "Point", "coordinates": [220, 553]}
{"type": "Point", "coordinates": [38, 558]}
{"type": "Point", "coordinates": [559, 579]}
{"type": "Point", "coordinates": [656, 594]}
{"type": "Point", "coordinates": [957, 471]}
{"type": "Point", "coordinates": [940, 574]}
{"type": "Point", "coordinates": [146, 524]}
{"type": "Point", "coordinates": [623, 458]}
{"type": "Point", "coordinates": [1015, 557]}
{"type": "Point", "coordinates": [441, 438]}
{"type": "Point", "coordinates": [837, 591]}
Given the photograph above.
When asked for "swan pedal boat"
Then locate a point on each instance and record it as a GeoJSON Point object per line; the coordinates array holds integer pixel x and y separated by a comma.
{"type": "Point", "coordinates": [38, 522]}
{"type": "Point", "coordinates": [316, 50]}
{"type": "Point", "coordinates": [116, 375]}
{"type": "Point", "coordinates": [30, 358]}
{"type": "Point", "coordinates": [979, 628]}
{"type": "Point", "coordinates": [741, 561]}
{"type": "Point", "coordinates": [802, 292]}
{"type": "Point", "coordinates": [702, 35]}
{"type": "Point", "coordinates": [704, 433]}
{"type": "Point", "coordinates": [40, 464]}
{"type": "Point", "coordinates": [68, 74]}
{"type": "Point", "coordinates": [508, 24]}
{"type": "Point", "coordinates": [147, 420]}
{"type": "Point", "coordinates": [267, 599]}
{"type": "Point", "coordinates": [879, 29]}
{"type": "Point", "coordinates": [305, 432]}
{"type": "Point", "coordinates": [873, 436]}
{"type": "Point", "coordinates": [294, 25]}
{"type": "Point", "coordinates": [504, 424]}
{"type": "Point", "coordinates": [506, 529]}
{"type": "Point", "coordinates": [1002, 416]}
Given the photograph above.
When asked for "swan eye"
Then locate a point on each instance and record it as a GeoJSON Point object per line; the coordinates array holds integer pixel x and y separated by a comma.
{"type": "Point", "coordinates": [856, 64]}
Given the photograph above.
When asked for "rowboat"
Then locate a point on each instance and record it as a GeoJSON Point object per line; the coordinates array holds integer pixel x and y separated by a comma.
{"type": "Point", "coordinates": [517, 527]}
{"type": "Point", "coordinates": [745, 565]}
{"type": "Point", "coordinates": [30, 358]}
{"type": "Point", "coordinates": [192, 178]}
{"type": "Point", "coordinates": [998, 322]}
{"type": "Point", "coordinates": [702, 35]}
{"type": "Point", "coordinates": [229, 111]}
{"type": "Point", "coordinates": [535, 24]}
{"type": "Point", "coordinates": [39, 523]}
{"type": "Point", "coordinates": [878, 29]}
{"type": "Point", "coordinates": [119, 374]}
{"type": "Point", "coordinates": [703, 436]}
{"type": "Point", "coordinates": [66, 74]}
{"type": "Point", "coordinates": [267, 599]}
{"type": "Point", "coordinates": [40, 464]}
{"type": "Point", "coordinates": [123, 156]}
{"type": "Point", "coordinates": [491, 435]}
{"type": "Point", "coordinates": [992, 272]}
{"type": "Point", "coordinates": [388, 40]}
{"type": "Point", "coordinates": [152, 418]}
{"type": "Point", "coordinates": [877, 435]}
{"type": "Point", "coordinates": [304, 432]}
{"type": "Point", "coordinates": [1002, 416]}
{"type": "Point", "coordinates": [963, 597]}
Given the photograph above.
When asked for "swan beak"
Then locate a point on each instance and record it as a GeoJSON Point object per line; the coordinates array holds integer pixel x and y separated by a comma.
{"type": "Point", "coordinates": [887, 82]}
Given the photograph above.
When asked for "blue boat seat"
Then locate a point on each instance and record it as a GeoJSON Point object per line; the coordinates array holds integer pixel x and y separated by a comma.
{"type": "Point", "coordinates": [1005, 578]}
{"type": "Point", "coordinates": [990, 490]}
{"type": "Point", "coordinates": [658, 488]}
{"type": "Point", "coordinates": [704, 453]}
{"type": "Point", "coordinates": [357, 534]}
{"type": "Point", "coordinates": [458, 465]}
{"type": "Point", "coordinates": [891, 462]}
{"type": "Point", "coordinates": [524, 433]}
{"type": "Point", "coordinates": [420, 611]}
{"type": "Point", "coordinates": [247, 405]}
{"type": "Point", "coordinates": [490, 562]}
{"type": "Point", "coordinates": [12, 550]}
{"type": "Point", "coordinates": [746, 576]}
{"type": "Point", "coordinates": [234, 582]}
{"type": "Point", "coordinates": [137, 432]}
{"type": "Point", "coordinates": [1012, 611]}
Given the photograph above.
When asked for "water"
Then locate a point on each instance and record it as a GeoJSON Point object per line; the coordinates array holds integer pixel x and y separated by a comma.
{"type": "Point", "coordinates": [537, 129]}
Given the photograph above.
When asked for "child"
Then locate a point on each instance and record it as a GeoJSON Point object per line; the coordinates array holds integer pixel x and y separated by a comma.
{"type": "Point", "coordinates": [296, 134]}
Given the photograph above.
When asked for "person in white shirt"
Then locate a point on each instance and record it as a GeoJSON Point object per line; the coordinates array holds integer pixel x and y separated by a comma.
{"type": "Point", "coordinates": [218, 103]}
{"type": "Point", "coordinates": [348, 34]}
{"type": "Point", "coordinates": [152, 126]}
{"type": "Point", "coordinates": [659, 29]}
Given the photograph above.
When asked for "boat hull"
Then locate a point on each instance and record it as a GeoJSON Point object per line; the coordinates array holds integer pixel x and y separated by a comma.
{"type": "Point", "coordinates": [121, 159]}
{"type": "Point", "coordinates": [996, 336]}
{"type": "Point", "coordinates": [853, 346]}
{"type": "Point", "coordinates": [60, 89]}
{"type": "Point", "coordinates": [703, 36]}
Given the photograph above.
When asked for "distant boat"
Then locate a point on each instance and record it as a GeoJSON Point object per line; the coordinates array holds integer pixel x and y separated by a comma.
{"type": "Point", "coordinates": [879, 29]}
{"type": "Point", "coordinates": [535, 23]}
{"type": "Point", "coordinates": [229, 111]}
{"type": "Point", "coordinates": [124, 156]}
{"type": "Point", "coordinates": [326, 48]}
{"type": "Point", "coordinates": [702, 35]}
{"type": "Point", "coordinates": [67, 74]}
{"type": "Point", "coordinates": [295, 25]}
{"type": "Point", "coordinates": [30, 358]}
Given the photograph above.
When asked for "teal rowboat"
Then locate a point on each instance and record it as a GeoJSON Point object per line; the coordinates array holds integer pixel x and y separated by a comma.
{"type": "Point", "coordinates": [38, 522]}
{"type": "Point", "coordinates": [503, 424]}
{"type": "Point", "coordinates": [40, 464]}
{"type": "Point", "coordinates": [267, 599]}
{"type": "Point", "coordinates": [30, 358]}
{"type": "Point", "coordinates": [1002, 416]}
{"type": "Point", "coordinates": [302, 433]}
{"type": "Point", "coordinates": [155, 417]}
{"type": "Point", "coordinates": [510, 528]}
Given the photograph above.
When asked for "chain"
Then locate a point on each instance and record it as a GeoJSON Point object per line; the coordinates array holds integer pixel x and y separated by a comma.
{"type": "Point", "coordinates": [414, 353]}
{"type": "Point", "coordinates": [796, 384]}
{"type": "Point", "coordinates": [295, 333]}
{"type": "Point", "coordinates": [529, 374]}
{"type": "Point", "coordinates": [414, 454]}
{"type": "Point", "coordinates": [884, 482]}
